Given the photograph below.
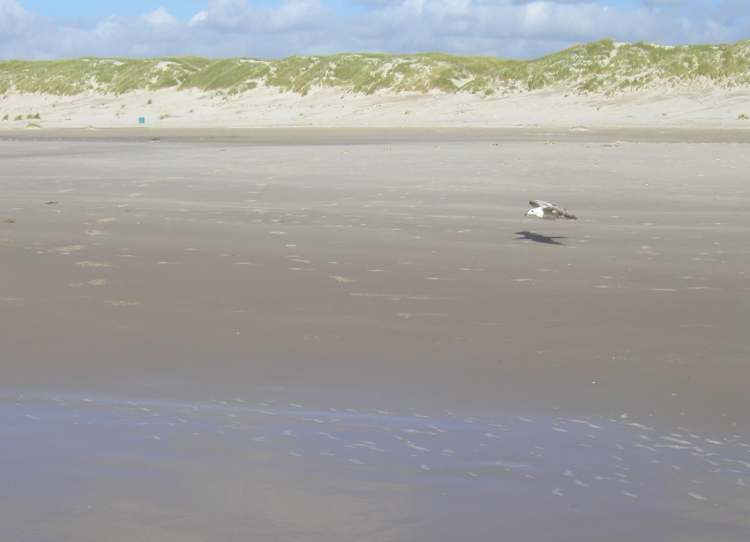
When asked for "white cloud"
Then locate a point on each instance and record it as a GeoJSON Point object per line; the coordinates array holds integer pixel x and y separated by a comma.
{"type": "Point", "coordinates": [159, 16]}
{"type": "Point", "coordinates": [237, 15]}
{"type": "Point", "coordinates": [223, 14]}
{"type": "Point", "coordinates": [516, 28]}
{"type": "Point", "coordinates": [13, 19]}
{"type": "Point", "coordinates": [531, 27]}
{"type": "Point", "coordinates": [198, 18]}
{"type": "Point", "coordinates": [296, 14]}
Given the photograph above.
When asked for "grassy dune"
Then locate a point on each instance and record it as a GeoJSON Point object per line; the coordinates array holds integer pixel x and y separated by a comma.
{"type": "Point", "coordinates": [601, 67]}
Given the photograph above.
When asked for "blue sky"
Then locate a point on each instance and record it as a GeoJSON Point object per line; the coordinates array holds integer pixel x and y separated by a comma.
{"type": "Point", "coordinates": [274, 28]}
{"type": "Point", "coordinates": [182, 9]}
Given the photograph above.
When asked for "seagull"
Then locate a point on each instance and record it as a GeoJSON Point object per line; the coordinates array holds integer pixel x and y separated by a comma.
{"type": "Point", "coordinates": [545, 209]}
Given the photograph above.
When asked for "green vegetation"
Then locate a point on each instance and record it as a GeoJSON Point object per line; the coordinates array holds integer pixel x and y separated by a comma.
{"type": "Point", "coordinates": [599, 67]}
{"type": "Point", "coordinates": [6, 117]}
{"type": "Point", "coordinates": [18, 117]}
{"type": "Point", "coordinates": [36, 116]}
{"type": "Point", "coordinates": [743, 116]}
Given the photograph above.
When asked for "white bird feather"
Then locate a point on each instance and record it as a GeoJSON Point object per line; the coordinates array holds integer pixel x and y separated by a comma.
{"type": "Point", "coordinates": [549, 211]}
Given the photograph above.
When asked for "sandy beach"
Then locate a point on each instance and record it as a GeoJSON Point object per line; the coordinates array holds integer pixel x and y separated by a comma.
{"type": "Point", "coordinates": [352, 334]}
{"type": "Point", "coordinates": [696, 106]}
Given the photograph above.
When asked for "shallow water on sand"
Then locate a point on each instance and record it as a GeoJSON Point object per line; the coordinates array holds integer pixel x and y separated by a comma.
{"type": "Point", "coordinates": [79, 467]}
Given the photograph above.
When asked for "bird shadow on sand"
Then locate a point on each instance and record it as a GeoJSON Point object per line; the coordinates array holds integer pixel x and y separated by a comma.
{"type": "Point", "coordinates": [539, 238]}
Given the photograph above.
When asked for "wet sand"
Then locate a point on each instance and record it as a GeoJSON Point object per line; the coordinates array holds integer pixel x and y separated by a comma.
{"type": "Point", "coordinates": [207, 277]}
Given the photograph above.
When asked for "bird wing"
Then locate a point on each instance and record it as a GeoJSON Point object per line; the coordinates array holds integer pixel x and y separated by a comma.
{"type": "Point", "coordinates": [560, 212]}
{"type": "Point", "coordinates": [552, 209]}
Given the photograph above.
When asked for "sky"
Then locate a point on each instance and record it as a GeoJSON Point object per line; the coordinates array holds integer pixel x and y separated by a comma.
{"type": "Point", "coordinates": [44, 29]}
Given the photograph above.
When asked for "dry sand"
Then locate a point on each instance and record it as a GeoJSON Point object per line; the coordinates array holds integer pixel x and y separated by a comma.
{"type": "Point", "coordinates": [356, 335]}
{"type": "Point", "coordinates": [695, 107]}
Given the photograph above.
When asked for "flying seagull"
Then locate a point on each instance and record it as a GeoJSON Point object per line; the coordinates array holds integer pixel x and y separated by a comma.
{"type": "Point", "coordinates": [545, 209]}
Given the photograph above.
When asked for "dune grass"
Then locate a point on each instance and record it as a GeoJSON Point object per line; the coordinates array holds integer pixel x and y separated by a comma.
{"type": "Point", "coordinates": [597, 67]}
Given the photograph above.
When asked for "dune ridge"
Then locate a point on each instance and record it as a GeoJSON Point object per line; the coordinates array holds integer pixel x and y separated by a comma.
{"type": "Point", "coordinates": [599, 83]}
